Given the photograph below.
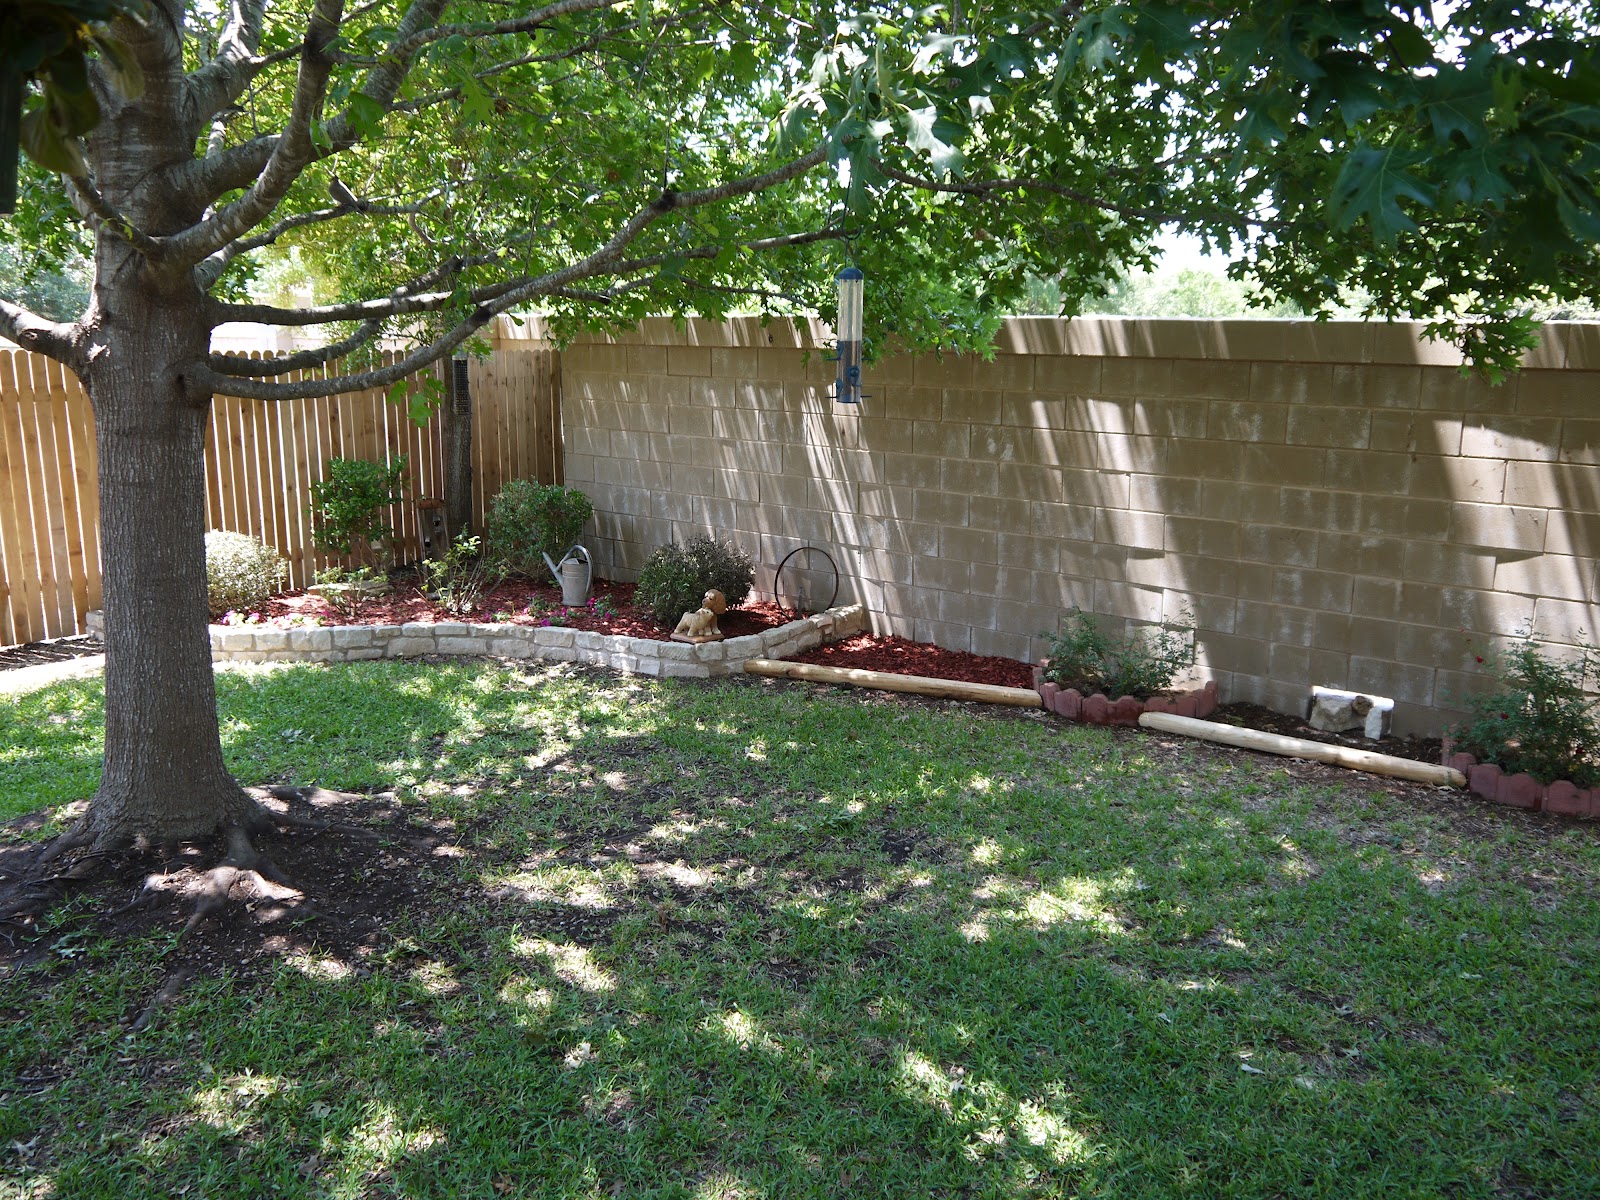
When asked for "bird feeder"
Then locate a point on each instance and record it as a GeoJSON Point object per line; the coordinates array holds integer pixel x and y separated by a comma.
{"type": "Point", "coordinates": [851, 285]}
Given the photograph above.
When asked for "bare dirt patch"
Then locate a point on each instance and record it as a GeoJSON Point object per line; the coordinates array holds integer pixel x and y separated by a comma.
{"type": "Point", "coordinates": [344, 889]}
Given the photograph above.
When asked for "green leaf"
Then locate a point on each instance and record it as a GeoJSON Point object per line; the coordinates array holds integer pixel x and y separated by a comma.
{"type": "Point", "coordinates": [366, 114]}
{"type": "Point", "coordinates": [122, 69]}
{"type": "Point", "coordinates": [44, 142]}
{"type": "Point", "coordinates": [1371, 185]}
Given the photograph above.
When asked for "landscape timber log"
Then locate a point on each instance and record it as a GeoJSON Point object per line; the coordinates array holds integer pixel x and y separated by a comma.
{"type": "Point", "coordinates": [1338, 756]}
{"type": "Point", "coordinates": [948, 689]}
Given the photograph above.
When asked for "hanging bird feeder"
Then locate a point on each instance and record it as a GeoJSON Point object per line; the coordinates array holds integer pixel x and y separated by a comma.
{"type": "Point", "coordinates": [851, 285]}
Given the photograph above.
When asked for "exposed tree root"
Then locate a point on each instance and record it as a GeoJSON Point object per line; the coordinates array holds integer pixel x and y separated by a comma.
{"type": "Point", "coordinates": [246, 874]}
{"type": "Point", "coordinates": [170, 989]}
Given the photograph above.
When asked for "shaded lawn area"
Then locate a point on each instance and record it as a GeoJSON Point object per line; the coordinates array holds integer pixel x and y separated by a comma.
{"type": "Point", "coordinates": [756, 939]}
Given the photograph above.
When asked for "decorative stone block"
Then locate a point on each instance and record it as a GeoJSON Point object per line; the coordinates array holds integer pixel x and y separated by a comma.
{"type": "Point", "coordinates": [1520, 791]}
{"type": "Point", "coordinates": [1335, 711]}
{"type": "Point", "coordinates": [1125, 711]}
{"type": "Point", "coordinates": [711, 652]}
{"type": "Point", "coordinates": [347, 637]}
{"type": "Point", "coordinates": [1161, 704]}
{"type": "Point", "coordinates": [1462, 762]}
{"type": "Point", "coordinates": [356, 653]}
{"type": "Point", "coordinates": [1484, 780]}
{"type": "Point", "coordinates": [1566, 799]}
{"type": "Point", "coordinates": [1188, 705]}
{"type": "Point", "coordinates": [452, 629]}
{"type": "Point", "coordinates": [687, 670]}
{"type": "Point", "coordinates": [1048, 693]}
{"type": "Point", "coordinates": [1096, 709]}
{"type": "Point", "coordinates": [510, 647]}
{"type": "Point", "coordinates": [283, 639]}
{"type": "Point", "coordinates": [552, 635]}
{"type": "Point", "coordinates": [417, 629]}
{"type": "Point", "coordinates": [236, 640]}
{"type": "Point", "coordinates": [410, 647]}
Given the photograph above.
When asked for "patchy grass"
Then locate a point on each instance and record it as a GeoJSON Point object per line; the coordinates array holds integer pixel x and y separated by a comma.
{"type": "Point", "coordinates": [759, 940]}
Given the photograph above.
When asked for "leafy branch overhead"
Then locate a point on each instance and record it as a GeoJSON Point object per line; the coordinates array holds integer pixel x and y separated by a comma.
{"type": "Point", "coordinates": [441, 163]}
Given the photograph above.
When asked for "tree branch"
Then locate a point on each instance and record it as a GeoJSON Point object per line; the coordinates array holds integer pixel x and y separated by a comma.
{"type": "Point", "coordinates": [232, 364]}
{"type": "Point", "coordinates": [32, 332]}
{"type": "Point", "coordinates": [221, 82]}
{"type": "Point", "coordinates": [102, 214]}
{"type": "Point", "coordinates": [211, 270]}
{"type": "Point", "coordinates": [490, 301]}
{"type": "Point", "coordinates": [289, 157]}
{"type": "Point", "coordinates": [990, 187]}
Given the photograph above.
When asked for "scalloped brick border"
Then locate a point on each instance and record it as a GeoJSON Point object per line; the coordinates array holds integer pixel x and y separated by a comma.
{"type": "Point", "coordinates": [550, 643]}
{"type": "Point", "coordinates": [1563, 797]}
{"type": "Point", "coordinates": [1099, 709]}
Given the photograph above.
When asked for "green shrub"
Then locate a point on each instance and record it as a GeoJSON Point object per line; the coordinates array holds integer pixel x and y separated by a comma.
{"type": "Point", "coordinates": [241, 571]}
{"type": "Point", "coordinates": [676, 578]}
{"type": "Point", "coordinates": [1083, 656]}
{"type": "Point", "coordinates": [347, 508]}
{"type": "Point", "coordinates": [528, 520]}
{"type": "Point", "coordinates": [1538, 718]}
{"type": "Point", "coordinates": [458, 581]}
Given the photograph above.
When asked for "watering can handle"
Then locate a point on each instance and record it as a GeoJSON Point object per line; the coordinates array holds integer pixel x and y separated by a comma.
{"type": "Point", "coordinates": [573, 551]}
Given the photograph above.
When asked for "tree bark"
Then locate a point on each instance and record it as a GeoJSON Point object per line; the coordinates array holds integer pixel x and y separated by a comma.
{"type": "Point", "coordinates": [456, 430]}
{"type": "Point", "coordinates": [164, 777]}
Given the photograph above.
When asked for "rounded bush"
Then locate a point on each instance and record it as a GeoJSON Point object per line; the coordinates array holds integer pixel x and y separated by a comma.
{"type": "Point", "coordinates": [676, 578]}
{"type": "Point", "coordinates": [528, 520]}
{"type": "Point", "coordinates": [241, 571]}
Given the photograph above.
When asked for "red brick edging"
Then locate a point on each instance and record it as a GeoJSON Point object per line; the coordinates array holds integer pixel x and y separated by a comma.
{"type": "Point", "coordinates": [1099, 709]}
{"type": "Point", "coordinates": [1521, 790]}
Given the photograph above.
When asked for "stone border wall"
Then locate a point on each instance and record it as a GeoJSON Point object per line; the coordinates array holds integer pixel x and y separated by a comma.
{"type": "Point", "coordinates": [630, 655]}
{"type": "Point", "coordinates": [1334, 502]}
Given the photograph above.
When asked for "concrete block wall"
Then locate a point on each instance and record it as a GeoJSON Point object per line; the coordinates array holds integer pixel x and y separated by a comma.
{"type": "Point", "coordinates": [1335, 503]}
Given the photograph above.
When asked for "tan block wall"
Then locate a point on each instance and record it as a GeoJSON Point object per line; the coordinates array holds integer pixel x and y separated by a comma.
{"type": "Point", "coordinates": [1335, 503]}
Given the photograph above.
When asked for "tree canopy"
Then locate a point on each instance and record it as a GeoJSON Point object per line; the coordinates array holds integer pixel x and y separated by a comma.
{"type": "Point", "coordinates": [605, 160]}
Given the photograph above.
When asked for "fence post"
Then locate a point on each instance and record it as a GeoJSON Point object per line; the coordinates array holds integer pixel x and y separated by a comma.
{"type": "Point", "coordinates": [457, 434]}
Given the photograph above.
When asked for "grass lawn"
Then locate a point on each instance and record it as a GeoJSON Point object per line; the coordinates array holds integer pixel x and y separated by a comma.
{"type": "Point", "coordinates": [755, 939]}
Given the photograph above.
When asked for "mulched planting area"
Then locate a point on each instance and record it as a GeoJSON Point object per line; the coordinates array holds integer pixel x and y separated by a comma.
{"type": "Point", "coordinates": [867, 652]}
{"type": "Point", "coordinates": [33, 654]}
{"type": "Point", "coordinates": [517, 602]}
{"type": "Point", "coordinates": [1254, 716]}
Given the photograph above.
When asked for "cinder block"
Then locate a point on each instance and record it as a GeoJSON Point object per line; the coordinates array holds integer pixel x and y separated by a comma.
{"type": "Point", "coordinates": [1555, 393]}
{"type": "Point", "coordinates": [1300, 588]}
{"type": "Point", "coordinates": [1307, 508]}
{"type": "Point", "coordinates": [1554, 576]}
{"type": "Point", "coordinates": [1198, 535]}
{"type": "Point", "coordinates": [1565, 621]}
{"type": "Point", "coordinates": [1125, 527]}
{"type": "Point", "coordinates": [1246, 421]}
{"type": "Point", "coordinates": [1502, 526]}
{"type": "Point", "coordinates": [1403, 517]}
{"type": "Point", "coordinates": [1552, 485]}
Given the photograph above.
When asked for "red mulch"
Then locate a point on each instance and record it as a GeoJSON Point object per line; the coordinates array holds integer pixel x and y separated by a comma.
{"type": "Point", "coordinates": [509, 603]}
{"type": "Point", "coordinates": [902, 657]}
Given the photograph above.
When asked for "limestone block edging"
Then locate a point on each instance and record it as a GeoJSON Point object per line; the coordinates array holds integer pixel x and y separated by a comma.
{"type": "Point", "coordinates": [548, 643]}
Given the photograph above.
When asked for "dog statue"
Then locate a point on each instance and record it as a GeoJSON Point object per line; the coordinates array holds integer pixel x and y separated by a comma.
{"type": "Point", "coordinates": [702, 623]}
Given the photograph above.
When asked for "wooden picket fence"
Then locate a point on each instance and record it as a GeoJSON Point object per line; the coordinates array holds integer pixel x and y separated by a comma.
{"type": "Point", "coordinates": [261, 461]}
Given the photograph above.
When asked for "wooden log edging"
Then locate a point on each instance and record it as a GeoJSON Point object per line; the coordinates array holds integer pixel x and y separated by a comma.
{"type": "Point", "coordinates": [888, 681]}
{"type": "Point", "coordinates": [1563, 797]}
{"type": "Point", "coordinates": [1100, 709]}
{"type": "Point", "coordinates": [1323, 752]}
{"type": "Point", "coordinates": [630, 655]}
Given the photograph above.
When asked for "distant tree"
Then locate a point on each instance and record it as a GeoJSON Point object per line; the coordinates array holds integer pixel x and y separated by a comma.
{"type": "Point", "coordinates": [449, 160]}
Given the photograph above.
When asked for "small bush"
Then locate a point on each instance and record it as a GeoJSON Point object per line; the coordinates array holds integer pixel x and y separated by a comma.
{"type": "Point", "coordinates": [1085, 657]}
{"type": "Point", "coordinates": [347, 508]}
{"type": "Point", "coordinates": [676, 578]}
{"type": "Point", "coordinates": [241, 571]}
{"type": "Point", "coordinates": [459, 580]}
{"type": "Point", "coordinates": [528, 520]}
{"type": "Point", "coordinates": [1538, 718]}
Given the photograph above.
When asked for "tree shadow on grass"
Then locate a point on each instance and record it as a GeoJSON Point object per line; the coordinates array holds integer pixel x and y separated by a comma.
{"type": "Point", "coordinates": [704, 942]}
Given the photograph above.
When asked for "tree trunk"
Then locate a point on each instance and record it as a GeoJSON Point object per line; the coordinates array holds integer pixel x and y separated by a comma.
{"type": "Point", "coordinates": [456, 431]}
{"type": "Point", "coordinates": [164, 777]}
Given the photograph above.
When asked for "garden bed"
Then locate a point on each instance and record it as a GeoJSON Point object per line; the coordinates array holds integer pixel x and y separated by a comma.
{"type": "Point", "coordinates": [529, 604]}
